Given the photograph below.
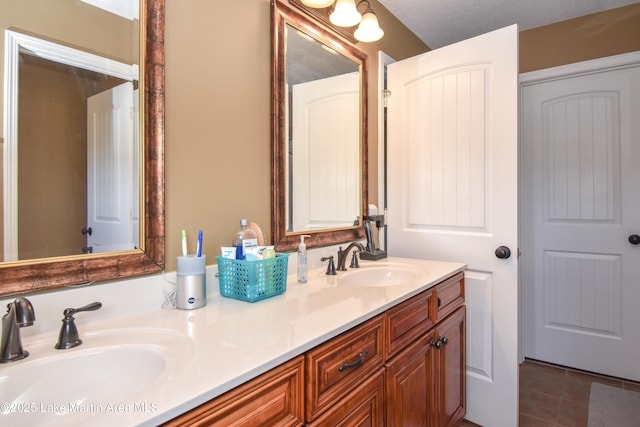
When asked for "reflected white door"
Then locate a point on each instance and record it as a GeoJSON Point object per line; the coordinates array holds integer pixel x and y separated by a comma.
{"type": "Point", "coordinates": [452, 195]}
{"type": "Point", "coordinates": [325, 188]}
{"type": "Point", "coordinates": [110, 170]}
{"type": "Point", "coordinates": [136, 195]}
{"type": "Point", "coordinates": [581, 150]}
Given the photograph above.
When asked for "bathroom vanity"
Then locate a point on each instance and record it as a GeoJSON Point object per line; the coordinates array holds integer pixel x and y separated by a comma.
{"type": "Point", "coordinates": [404, 366]}
{"type": "Point", "coordinates": [384, 343]}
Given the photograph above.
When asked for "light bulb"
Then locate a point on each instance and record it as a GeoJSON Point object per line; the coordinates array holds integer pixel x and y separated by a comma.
{"type": "Point", "coordinates": [317, 3]}
{"type": "Point", "coordinates": [345, 14]}
{"type": "Point", "coordinates": [369, 30]}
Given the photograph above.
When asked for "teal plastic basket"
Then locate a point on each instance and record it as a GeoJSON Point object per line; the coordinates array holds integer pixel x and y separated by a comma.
{"type": "Point", "coordinates": [253, 281]}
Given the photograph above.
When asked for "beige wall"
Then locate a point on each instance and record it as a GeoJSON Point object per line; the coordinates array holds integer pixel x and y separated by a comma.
{"type": "Point", "coordinates": [592, 36]}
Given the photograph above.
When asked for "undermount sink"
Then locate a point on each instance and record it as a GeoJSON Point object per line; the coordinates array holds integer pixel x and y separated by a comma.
{"type": "Point", "coordinates": [111, 368]}
{"type": "Point", "coordinates": [383, 275]}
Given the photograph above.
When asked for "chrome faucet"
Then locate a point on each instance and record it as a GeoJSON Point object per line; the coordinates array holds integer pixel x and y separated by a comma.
{"type": "Point", "coordinates": [19, 314]}
{"type": "Point", "coordinates": [342, 255]}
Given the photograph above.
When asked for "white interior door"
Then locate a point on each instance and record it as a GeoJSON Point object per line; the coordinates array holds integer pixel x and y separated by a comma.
{"type": "Point", "coordinates": [110, 170]}
{"type": "Point", "coordinates": [452, 195]}
{"type": "Point", "coordinates": [581, 150]}
{"type": "Point", "coordinates": [328, 154]}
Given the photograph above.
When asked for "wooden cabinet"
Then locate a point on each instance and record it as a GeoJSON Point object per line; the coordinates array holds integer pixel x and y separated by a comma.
{"type": "Point", "coordinates": [275, 399]}
{"type": "Point", "coordinates": [425, 375]}
{"type": "Point", "coordinates": [404, 367]}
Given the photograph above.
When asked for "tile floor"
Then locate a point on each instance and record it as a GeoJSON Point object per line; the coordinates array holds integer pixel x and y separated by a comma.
{"type": "Point", "coordinates": [553, 396]}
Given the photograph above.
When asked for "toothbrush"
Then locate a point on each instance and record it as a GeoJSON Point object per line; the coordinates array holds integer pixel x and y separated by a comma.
{"type": "Point", "coordinates": [199, 247]}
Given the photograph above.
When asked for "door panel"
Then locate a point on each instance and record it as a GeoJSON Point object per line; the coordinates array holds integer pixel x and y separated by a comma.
{"type": "Point", "coordinates": [331, 198]}
{"type": "Point", "coordinates": [580, 204]}
{"type": "Point", "coordinates": [452, 195]}
{"type": "Point", "coordinates": [110, 170]}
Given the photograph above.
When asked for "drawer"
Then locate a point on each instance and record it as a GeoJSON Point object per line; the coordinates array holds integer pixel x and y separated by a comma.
{"type": "Point", "coordinates": [405, 322]}
{"type": "Point", "coordinates": [364, 406]}
{"type": "Point", "coordinates": [336, 367]}
{"type": "Point", "coordinates": [448, 296]}
{"type": "Point", "coordinates": [273, 398]}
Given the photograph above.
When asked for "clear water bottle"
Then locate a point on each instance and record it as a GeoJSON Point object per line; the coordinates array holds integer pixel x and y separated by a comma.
{"type": "Point", "coordinates": [244, 238]}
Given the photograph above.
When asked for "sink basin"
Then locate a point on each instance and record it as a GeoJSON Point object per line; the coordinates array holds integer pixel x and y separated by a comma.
{"type": "Point", "coordinates": [118, 372]}
{"type": "Point", "coordinates": [381, 275]}
{"type": "Point", "coordinates": [65, 386]}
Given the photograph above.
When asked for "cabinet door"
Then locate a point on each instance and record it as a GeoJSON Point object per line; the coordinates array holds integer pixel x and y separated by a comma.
{"type": "Point", "coordinates": [409, 385]}
{"type": "Point", "coordinates": [274, 398]}
{"type": "Point", "coordinates": [451, 363]}
{"type": "Point", "coordinates": [364, 406]}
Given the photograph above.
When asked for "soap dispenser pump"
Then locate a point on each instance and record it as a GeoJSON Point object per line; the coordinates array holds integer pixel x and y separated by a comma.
{"type": "Point", "coordinates": [302, 260]}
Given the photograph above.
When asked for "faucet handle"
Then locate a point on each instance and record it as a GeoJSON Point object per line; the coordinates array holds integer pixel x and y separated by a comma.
{"type": "Point", "coordinates": [68, 312]}
{"type": "Point", "coordinates": [69, 336]}
{"type": "Point", "coordinates": [331, 267]}
{"type": "Point", "coordinates": [354, 260]}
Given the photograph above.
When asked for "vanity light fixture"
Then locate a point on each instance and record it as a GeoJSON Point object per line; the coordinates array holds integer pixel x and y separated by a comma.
{"type": "Point", "coordinates": [345, 14]}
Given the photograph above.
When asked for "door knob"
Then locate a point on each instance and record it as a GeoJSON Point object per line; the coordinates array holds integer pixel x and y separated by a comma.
{"type": "Point", "coordinates": [503, 252]}
{"type": "Point", "coordinates": [634, 239]}
{"type": "Point", "coordinates": [87, 230]}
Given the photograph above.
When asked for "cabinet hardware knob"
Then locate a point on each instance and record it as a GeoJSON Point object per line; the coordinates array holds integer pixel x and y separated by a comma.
{"type": "Point", "coordinates": [634, 239]}
{"type": "Point", "coordinates": [439, 342]}
{"type": "Point", "coordinates": [359, 361]}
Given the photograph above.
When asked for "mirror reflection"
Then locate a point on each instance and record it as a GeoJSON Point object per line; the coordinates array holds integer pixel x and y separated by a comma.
{"type": "Point", "coordinates": [71, 159]}
{"type": "Point", "coordinates": [323, 164]}
{"type": "Point", "coordinates": [319, 131]}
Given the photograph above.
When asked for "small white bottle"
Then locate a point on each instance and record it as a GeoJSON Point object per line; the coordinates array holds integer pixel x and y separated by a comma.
{"type": "Point", "coordinates": [302, 260]}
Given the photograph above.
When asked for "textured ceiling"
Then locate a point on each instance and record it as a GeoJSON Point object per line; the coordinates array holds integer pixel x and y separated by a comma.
{"type": "Point", "coordinates": [442, 22]}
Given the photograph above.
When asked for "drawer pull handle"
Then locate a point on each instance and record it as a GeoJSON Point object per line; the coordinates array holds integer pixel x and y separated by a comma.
{"type": "Point", "coordinates": [359, 361]}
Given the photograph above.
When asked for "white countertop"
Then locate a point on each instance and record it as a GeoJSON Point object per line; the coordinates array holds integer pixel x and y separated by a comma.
{"type": "Point", "coordinates": [228, 342]}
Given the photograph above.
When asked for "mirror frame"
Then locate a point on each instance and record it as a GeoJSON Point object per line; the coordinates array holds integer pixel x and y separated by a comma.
{"type": "Point", "coordinates": [282, 14]}
{"type": "Point", "coordinates": [49, 273]}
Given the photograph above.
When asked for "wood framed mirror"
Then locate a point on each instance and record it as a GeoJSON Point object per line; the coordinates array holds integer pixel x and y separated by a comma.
{"type": "Point", "coordinates": [319, 131]}
{"type": "Point", "coordinates": [49, 273]}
